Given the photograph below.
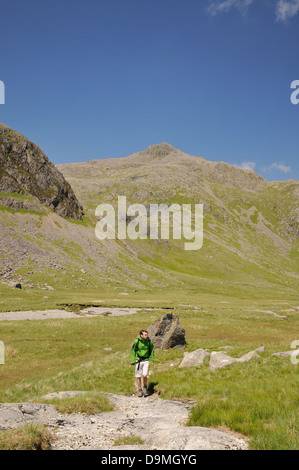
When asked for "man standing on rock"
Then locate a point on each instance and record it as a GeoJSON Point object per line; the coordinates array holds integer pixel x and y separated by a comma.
{"type": "Point", "coordinates": [142, 352]}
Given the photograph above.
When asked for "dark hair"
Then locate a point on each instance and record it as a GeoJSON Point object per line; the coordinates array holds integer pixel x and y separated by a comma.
{"type": "Point", "coordinates": [142, 331]}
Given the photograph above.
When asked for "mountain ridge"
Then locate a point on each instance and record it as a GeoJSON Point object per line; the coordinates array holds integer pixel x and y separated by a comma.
{"type": "Point", "coordinates": [251, 228]}
{"type": "Point", "coordinates": [165, 154]}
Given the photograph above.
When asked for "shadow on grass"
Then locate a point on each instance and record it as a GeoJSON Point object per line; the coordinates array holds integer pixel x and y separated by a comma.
{"type": "Point", "coordinates": [151, 388]}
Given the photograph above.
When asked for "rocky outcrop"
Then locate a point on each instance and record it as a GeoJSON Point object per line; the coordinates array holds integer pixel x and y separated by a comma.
{"type": "Point", "coordinates": [195, 358]}
{"type": "Point", "coordinates": [25, 169]}
{"type": "Point", "coordinates": [159, 150]}
{"type": "Point", "coordinates": [294, 353]}
{"type": "Point", "coordinates": [167, 332]}
{"type": "Point", "coordinates": [218, 359]}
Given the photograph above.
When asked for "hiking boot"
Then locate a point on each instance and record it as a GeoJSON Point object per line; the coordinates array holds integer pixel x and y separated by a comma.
{"type": "Point", "coordinates": [139, 393]}
{"type": "Point", "coordinates": [144, 391]}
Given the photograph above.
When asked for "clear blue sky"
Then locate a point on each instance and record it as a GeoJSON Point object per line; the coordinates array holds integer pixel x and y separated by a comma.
{"type": "Point", "coordinates": [91, 79]}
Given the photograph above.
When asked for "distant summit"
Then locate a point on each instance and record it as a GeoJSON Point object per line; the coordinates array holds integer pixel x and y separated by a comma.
{"type": "Point", "coordinates": [160, 150]}
{"type": "Point", "coordinates": [163, 153]}
{"type": "Point", "coordinates": [25, 169]}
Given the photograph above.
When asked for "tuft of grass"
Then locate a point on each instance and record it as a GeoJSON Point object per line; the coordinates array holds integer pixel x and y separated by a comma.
{"type": "Point", "coordinates": [89, 403]}
{"type": "Point", "coordinates": [128, 440]}
{"type": "Point", "coordinates": [32, 436]}
{"type": "Point", "coordinates": [247, 399]}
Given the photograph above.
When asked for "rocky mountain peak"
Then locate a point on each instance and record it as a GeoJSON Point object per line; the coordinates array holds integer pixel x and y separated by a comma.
{"type": "Point", "coordinates": [160, 150]}
{"type": "Point", "coordinates": [25, 169]}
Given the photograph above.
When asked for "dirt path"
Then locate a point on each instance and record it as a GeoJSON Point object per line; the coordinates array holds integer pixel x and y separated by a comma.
{"type": "Point", "coordinates": [159, 423]}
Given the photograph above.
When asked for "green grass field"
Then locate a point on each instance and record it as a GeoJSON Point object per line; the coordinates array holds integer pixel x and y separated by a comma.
{"type": "Point", "coordinates": [258, 399]}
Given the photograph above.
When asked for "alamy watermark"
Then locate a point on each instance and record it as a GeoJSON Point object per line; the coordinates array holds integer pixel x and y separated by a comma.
{"type": "Point", "coordinates": [295, 94]}
{"type": "Point", "coordinates": [294, 358]}
{"type": "Point", "coordinates": [2, 92]}
{"type": "Point", "coordinates": [144, 225]}
{"type": "Point", "coordinates": [2, 353]}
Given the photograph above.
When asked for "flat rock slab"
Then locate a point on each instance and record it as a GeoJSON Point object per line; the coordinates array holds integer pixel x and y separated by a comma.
{"type": "Point", "coordinates": [161, 424]}
{"type": "Point", "coordinates": [293, 353]}
{"type": "Point", "coordinates": [284, 317]}
{"type": "Point", "coordinates": [49, 314]}
{"type": "Point", "coordinates": [13, 415]}
{"type": "Point", "coordinates": [109, 311]}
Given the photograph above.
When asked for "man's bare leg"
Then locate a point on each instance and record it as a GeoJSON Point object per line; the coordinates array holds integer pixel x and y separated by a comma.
{"type": "Point", "coordinates": [139, 391]}
{"type": "Point", "coordinates": [144, 389]}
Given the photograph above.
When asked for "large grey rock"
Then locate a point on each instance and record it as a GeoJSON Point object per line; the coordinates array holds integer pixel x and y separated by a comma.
{"type": "Point", "coordinates": [220, 359]}
{"type": "Point", "coordinates": [247, 357]}
{"type": "Point", "coordinates": [15, 284]}
{"type": "Point", "coordinates": [194, 358]}
{"type": "Point", "coordinates": [167, 332]}
{"type": "Point", "coordinates": [261, 349]}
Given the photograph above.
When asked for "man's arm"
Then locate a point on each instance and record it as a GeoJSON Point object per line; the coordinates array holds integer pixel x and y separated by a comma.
{"type": "Point", "coordinates": [152, 352]}
{"type": "Point", "coordinates": [133, 352]}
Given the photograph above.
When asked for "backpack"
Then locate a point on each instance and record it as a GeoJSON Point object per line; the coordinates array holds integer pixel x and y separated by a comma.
{"type": "Point", "coordinates": [149, 348]}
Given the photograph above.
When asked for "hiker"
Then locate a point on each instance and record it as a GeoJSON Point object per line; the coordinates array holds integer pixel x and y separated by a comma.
{"type": "Point", "coordinates": [142, 352]}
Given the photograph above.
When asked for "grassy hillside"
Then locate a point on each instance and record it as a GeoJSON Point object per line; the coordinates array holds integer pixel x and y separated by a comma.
{"type": "Point", "coordinates": [250, 226]}
{"type": "Point", "coordinates": [250, 243]}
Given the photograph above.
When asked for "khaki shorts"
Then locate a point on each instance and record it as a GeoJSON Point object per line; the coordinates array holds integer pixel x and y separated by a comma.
{"type": "Point", "coordinates": [143, 369]}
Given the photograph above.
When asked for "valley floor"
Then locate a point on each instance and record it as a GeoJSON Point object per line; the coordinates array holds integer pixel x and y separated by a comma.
{"type": "Point", "coordinates": [86, 346]}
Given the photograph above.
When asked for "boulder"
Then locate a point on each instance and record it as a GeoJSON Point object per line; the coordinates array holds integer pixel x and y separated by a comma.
{"type": "Point", "coordinates": [261, 349]}
{"type": "Point", "coordinates": [220, 359]}
{"type": "Point", "coordinates": [294, 352]}
{"type": "Point", "coordinates": [167, 332]}
{"type": "Point", "coordinates": [248, 356]}
{"type": "Point", "coordinates": [17, 285]}
{"type": "Point", "coordinates": [195, 358]}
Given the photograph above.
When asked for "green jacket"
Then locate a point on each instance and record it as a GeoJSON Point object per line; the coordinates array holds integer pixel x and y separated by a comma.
{"type": "Point", "coordinates": [143, 350]}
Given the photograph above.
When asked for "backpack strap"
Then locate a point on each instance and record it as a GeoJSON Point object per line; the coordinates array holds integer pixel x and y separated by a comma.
{"type": "Point", "coordinates": [149, 349]}
{"type": "Point", "coordinates": [140, 359]}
